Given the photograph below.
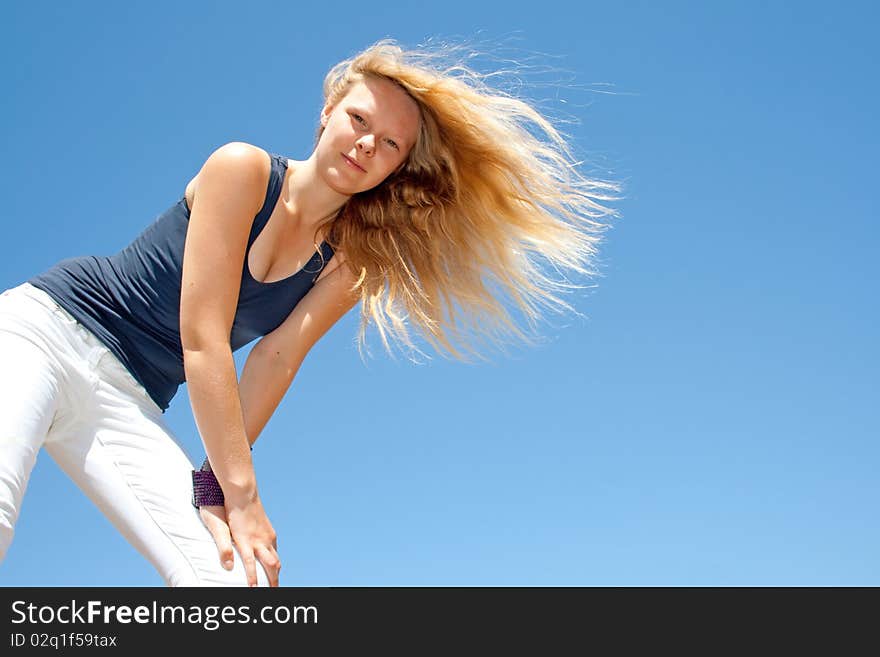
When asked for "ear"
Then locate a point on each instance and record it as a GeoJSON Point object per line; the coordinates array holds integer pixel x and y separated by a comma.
{"type": "Point", "coordinates": [325, 114]}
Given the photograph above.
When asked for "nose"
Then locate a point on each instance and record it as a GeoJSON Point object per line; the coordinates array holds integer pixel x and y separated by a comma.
{"type": "Point", "coordinates": [367, 144]}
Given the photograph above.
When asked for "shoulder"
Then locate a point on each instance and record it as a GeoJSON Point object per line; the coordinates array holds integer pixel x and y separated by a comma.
{"type": "Point", "coordinates": [238, 165]}
{"type": "Point", "coordinates": [243, 158]}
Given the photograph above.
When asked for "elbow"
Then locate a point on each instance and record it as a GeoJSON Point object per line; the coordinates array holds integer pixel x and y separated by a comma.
{"type": "Point", "coordinates": [202, 336]}
{"type": "Point", "coordinates": [204, 344]}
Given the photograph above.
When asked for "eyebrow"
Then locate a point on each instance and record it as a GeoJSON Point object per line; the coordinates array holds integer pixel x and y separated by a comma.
{"type": "Point", "coordinates": [361, 110]}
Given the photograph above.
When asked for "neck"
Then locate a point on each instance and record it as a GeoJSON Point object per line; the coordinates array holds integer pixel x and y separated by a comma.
{"type": "Point", "coordinates": [308, 199]}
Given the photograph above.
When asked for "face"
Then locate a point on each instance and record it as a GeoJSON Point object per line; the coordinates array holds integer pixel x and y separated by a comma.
{"type": "Point", "coordinates": [367, 135]}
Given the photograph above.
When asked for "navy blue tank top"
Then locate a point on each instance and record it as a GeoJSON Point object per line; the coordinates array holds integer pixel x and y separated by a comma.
{"type": "Point", "coordinates": [131, 300]}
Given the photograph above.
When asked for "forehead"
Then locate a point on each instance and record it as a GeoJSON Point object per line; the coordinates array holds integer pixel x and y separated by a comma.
{"type": "Point", "coordinates": [388, 105]}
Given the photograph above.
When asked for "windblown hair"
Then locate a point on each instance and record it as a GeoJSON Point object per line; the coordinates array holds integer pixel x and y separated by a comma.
{"type": "Point", "coordinates": [478, 197]}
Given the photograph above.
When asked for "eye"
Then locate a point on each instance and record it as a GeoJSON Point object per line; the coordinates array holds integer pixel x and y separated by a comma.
{"type": "Point", "coordinates": [359, 118]}
{"type": "Point", "coordinates": [393, 143]}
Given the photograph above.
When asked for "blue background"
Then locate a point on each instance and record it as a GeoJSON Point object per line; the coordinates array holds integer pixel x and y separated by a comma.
{"type": "Point", "coordinates": [711, 419]}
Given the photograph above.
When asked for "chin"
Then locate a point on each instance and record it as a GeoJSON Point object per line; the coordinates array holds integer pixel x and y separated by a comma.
{"type": "Point", "coordinates": [337, 181]}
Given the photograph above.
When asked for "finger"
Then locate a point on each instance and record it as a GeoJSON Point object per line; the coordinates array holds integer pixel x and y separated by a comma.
{"type": "Point", "coordinates": [271, 563]}
{"type": "Point", "coordinates": [250, 563]}
{"type": "Point", "coordinates": [214, 519]}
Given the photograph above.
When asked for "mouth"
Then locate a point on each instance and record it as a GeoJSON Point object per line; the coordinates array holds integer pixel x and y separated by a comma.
{"type": "Point", "coordinates": [353, 163]}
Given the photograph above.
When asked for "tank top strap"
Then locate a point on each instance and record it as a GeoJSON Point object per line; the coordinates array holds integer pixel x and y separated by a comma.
{"type": "Point", "coordinates": [326, 251]}
{"type": "Point", "coordinates": [273, 191]}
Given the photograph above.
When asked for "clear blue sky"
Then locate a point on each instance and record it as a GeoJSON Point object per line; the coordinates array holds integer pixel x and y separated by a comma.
{"type": "Point", "coordinates": [713, 419]}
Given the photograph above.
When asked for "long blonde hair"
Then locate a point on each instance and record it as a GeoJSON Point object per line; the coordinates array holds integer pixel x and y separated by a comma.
{"type": "Point", "coordinates": [479, 196]}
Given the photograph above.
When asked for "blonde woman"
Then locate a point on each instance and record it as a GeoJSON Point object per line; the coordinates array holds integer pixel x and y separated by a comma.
{"type": "Point", "coordinates": [425, 184]}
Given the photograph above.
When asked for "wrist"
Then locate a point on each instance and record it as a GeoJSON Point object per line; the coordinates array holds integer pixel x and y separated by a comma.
{"type": "Point", "coordinates": [208, 492]}
{"type": "Point", "coordinates": [240, 493]}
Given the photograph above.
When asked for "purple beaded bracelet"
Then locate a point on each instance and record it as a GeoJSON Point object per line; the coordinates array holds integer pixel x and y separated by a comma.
{"type": "Point", "coordinates": [206, 488]}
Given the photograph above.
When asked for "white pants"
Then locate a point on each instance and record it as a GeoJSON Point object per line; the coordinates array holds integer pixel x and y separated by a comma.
{"type": "Point", "coordinates": [62, 389]}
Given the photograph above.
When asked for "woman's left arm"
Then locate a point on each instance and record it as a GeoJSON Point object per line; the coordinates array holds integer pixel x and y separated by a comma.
{"type": "Point", "coordinates": [274, 361]}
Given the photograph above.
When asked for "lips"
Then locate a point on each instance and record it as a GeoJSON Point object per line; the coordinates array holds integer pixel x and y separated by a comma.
{"type": "Point", "coordinates": [353, 163]}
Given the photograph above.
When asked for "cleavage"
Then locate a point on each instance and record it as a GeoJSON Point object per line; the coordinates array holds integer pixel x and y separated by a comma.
{"type": "Point", "coordinates": [269, 258]}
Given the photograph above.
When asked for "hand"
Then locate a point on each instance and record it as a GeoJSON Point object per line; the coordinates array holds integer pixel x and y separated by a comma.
{"type": "Point", "coordinates": [214, 518]}
{"type": "Point", "coordinates": [254, 536]}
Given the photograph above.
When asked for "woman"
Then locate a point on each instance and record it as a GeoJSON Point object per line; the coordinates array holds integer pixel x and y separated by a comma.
{"type": "Point", "coordinates": [423, 182]}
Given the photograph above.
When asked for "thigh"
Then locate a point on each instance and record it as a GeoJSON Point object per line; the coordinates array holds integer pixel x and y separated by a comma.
{"type": "Point", "coordinates": [128, 462]}
{"type": "Point", "coordinates": [30, 383]}
{"type": "Point", "coordinates": [31, 374]}
{"type": "Point", "coordinates": [29, 390]}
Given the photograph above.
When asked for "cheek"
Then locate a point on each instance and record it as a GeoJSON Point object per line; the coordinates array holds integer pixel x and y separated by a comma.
{"type": "Point", "coordinates": [387, 168]}
{"type": "Point", "coordinates": [380, 174]}
{"type": "Point", "coordinates": [391, 159]}
{"type": "Point", "coordinates": [336, 129]}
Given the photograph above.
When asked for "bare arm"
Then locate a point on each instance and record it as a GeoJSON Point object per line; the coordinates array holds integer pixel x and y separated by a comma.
{"type": "Point", "coordinates": [232, 184]}
{"type": "Point", "coordinates": [216, 241]}
{"type": "Point", "coordinates": [274, 361]}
